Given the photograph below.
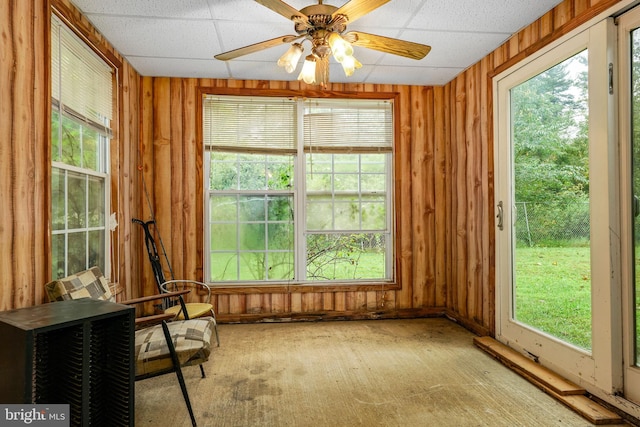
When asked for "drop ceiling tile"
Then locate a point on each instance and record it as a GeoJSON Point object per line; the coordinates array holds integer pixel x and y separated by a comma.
{"type": "Point", "coordinates": [449, 49]}
{"type": "Point", "coordinates": [259, 70]}
{"type": "Point", "coordinates": [234, 35]}
{"type": "Point", "coordinates": [418, 76]}
{"type": "Point", "coordinates": [192, 9]}
{"type": "Point", "coordinates": [172, 67]}
{"type": "Point", "coordinates": [160, 37]}
{"type": "Point", "coordinates": [484, 16]}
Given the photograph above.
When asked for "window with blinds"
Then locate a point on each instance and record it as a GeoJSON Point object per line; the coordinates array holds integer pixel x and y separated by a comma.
{"type": "Point", "coordinates": [299, 190]}
{"type": "Point", "coordinates": [81, 114]}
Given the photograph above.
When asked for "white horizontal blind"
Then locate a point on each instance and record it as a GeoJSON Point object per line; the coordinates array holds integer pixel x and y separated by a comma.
{"type": "Point", "coordinates": [85, 89]}
{"type": "Point", "coordinates": [355, 126]}
{"type": "Point", "coordinates": [249, 124]}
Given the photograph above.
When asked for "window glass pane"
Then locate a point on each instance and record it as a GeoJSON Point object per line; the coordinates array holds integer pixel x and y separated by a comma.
{"type": "Point", "coordinates": [280, 265]}
{"type": "Point", "coordinates": [57, 199]}
{"type": "Point", "coordinates": [224, 266]}
{"type": "Point", "coordinates": [223, 208]}
{"type": "Point", "coordinates": [90, 149]}
{"type": "Point", "coordinates": [58, 256]}
{"type": "Point", "coordinates": [346, 213]}
{"type": "Point", "coordinates": [96, 202]}
{"type": "Point", "coordinates": [251, 208]}
{"type": "Point", "coordinates": [252, 266]}
{"type": "Point", "coordinates": [71, 142]}
{"type": "Point", "coordinates": [224, 171]}
{"type": "Point", "coordinates": [96, 248]}
{"type": "Point", "coordinates": [252, 237]}
{"type": "Point", "coordinates": [252, 172]}
{"type": "Point", "coordinates": [319, 181]}
{"type": "Point", "coordinates": [346, 163]}
{"type": "Point", "coordinates": [373, 182]}
{"type": "Point", "coordinates": [77, 202]}
{"type": "Point", "coordinates": [55, 135]}
{"type": "Point", "coordinates": [224, 237]}
{"type": "Point", "coordinates": [345, 256]}
{"type": "Point", "coordinates": [373, 163]}
{"type": "Point", "coordinates": [318, 163]}
{"type": "Point", "coordinates": [77, 254]}
{"type": "Point", "coordinates": [552, 270]}
{"type": "Point", "coordinates": [319, 212]}
{"type": "Point", "coordinates": [279, 172]}
{"type": "Point", "coordinates": [373, 214]}
{"type": "Point", "coordinates": [346, 182]}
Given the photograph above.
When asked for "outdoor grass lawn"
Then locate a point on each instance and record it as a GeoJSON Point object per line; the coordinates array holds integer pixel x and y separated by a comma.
{"type": "Point", "coordinates": [553, 291]}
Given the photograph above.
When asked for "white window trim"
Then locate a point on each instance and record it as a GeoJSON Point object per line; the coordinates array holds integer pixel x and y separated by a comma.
{"type": "Point", "coordinates": [299, 226]}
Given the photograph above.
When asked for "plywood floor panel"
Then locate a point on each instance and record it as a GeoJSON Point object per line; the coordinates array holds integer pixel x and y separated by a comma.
{"type": "Point", "coordinates": [418, 372]}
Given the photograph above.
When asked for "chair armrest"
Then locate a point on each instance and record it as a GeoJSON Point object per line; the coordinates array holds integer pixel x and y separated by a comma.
{"type": "Point", "coordinates": [155, 297]}
{"type": "Point", "coordinates": [155, 318]}
{"type": "Point", "coordinates": [165, 286]}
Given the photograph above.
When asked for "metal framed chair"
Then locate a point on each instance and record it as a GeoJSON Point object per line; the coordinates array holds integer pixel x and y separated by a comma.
{"type": "Point", "coordinates": [171, 306]}
{"type": "Point", "coordinates": [161, 346]}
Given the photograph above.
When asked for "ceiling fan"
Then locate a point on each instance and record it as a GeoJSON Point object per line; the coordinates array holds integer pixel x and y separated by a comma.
{"type": "Point", "coordinates": [324, 27]}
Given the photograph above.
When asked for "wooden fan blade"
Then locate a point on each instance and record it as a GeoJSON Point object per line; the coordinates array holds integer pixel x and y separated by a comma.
{"type": "Point", "coordinates": [355, 9]}
{"type": "Point", "coordinates": [232, 54]}
{"type": "Point", "coordinates": [282, 8]}
{"type": "Point", "coordinates": [388, 45]}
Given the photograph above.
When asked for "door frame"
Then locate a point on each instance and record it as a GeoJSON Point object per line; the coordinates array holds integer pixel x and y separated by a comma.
{"type": "Point", "coordinates": [626, 23]}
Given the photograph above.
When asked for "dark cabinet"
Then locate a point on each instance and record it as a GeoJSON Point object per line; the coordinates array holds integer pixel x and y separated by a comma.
{"type": "Point", "coordinates": [77, 352]}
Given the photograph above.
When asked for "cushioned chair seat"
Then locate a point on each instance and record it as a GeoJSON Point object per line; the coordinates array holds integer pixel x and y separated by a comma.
{"type": "Point", "coordinates": [191, 339]}
{"type": "Point", "coordinates": [194, 309]}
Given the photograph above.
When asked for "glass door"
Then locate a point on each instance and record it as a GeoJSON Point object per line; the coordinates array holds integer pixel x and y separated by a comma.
{"type": "Point", "coordinates": [554, 193]}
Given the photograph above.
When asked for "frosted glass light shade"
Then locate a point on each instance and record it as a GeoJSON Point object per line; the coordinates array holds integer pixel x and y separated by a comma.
{"type": "Point", "coordinates": [349, 64]}
{"type": "Point", "coordinates": [308, 73]}
{"type": "Point", "coordinates": [340, 48]}
{"type": "Point", "coordinates": [289, 60]}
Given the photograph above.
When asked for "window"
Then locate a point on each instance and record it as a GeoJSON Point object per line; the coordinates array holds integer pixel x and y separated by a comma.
{"type": "Point", "coordinates": [81, 90]}
{"type": "Point", "coordinates": [298, 190]}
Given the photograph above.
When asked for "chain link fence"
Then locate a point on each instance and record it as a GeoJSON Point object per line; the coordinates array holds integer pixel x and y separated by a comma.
{"type": "Point", "coordinates": [551, 223]}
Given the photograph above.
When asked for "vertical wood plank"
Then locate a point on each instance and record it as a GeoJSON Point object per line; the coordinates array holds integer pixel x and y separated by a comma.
{"type": "Point", "coordinates": [418, 194]}
{"type": "Point", "coordinates": [23, 154]}
{"type": "Point", "coordinates": [440, 131]}
{"type": "Point", "coordinates": [403, 200]}
{"type": "Point", "coordinates": [461, 215]}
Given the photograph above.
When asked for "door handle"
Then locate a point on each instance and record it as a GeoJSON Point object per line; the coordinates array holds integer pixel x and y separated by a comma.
{"type": "Point", "coordinates": [500, 215]}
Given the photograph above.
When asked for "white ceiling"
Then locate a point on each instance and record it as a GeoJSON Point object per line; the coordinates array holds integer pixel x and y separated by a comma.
{"type": "Point", "coordinates": [179, 38]}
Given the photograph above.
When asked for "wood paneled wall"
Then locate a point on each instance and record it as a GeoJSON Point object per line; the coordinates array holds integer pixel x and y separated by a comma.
{"type": "Point", "coordinates": [25, 159]}
{"type": "Point", "coordinates": [444, 197]}
{"type": "Point", "coordinates": [172, 167]}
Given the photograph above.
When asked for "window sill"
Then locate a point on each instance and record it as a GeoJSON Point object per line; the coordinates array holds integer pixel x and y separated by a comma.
{"type": "Point", "coordinates": [286, 288]}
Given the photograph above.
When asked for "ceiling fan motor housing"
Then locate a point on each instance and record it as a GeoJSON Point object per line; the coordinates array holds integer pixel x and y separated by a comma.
{"type": "Point", "coordinates": [319, 17]}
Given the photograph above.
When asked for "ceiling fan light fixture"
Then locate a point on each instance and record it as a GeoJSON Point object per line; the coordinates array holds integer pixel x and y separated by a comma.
{"type": "Point", "coordinates": [308, 73]}
{"type": "Point", "coordinates": [289, 60]}
{"type": "Point", "coordinates": [324, 26]}
{"type": "Point", "coordinates": [340, 48]}
{"type": "Point", "coordinates": [349, 65]}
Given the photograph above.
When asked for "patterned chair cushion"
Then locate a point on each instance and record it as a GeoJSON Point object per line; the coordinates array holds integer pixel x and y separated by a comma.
{"type": "Point", "coordinates": [86, 284]}
{"type": "Point", "coordinates": [191, 338]}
